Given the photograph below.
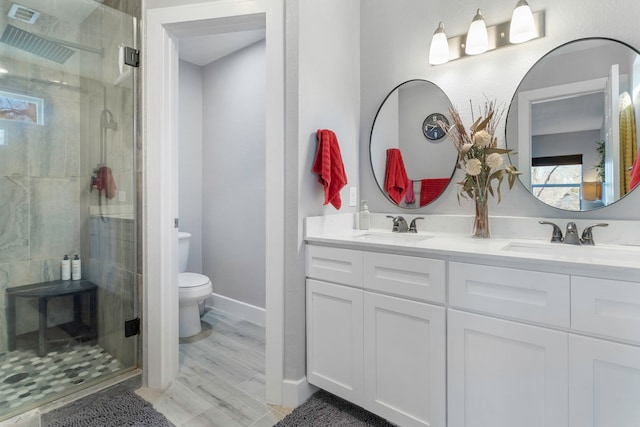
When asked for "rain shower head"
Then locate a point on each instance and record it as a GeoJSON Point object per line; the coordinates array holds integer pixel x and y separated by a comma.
{"type": "Point", "coordinates": [37, 45]}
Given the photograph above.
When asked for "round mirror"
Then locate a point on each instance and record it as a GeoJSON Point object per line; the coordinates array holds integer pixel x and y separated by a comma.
{"type": "Point", "coordinates": [572, 124]}
{"type": "Point", "coordinates": [411, 157]}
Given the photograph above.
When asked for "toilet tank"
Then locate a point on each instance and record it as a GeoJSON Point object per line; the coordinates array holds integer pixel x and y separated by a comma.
{"type": "Point", "coordinates": [183, 250]}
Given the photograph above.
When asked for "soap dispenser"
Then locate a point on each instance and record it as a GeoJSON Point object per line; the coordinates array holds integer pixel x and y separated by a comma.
{"type": "Point", "coordinates": [65, 268]}
{"type": "Point", "coordinates": [363, 216]}
{"type": "Point", "coordinates": [76, 268]}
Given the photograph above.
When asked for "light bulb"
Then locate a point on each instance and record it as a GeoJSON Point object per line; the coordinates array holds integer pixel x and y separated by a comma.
{"type": "Point", "coordinates": [477, 39]}
{"type": "Point", "coordinates": [522, 26]}
{"type": "Point", "coordinates": [439, 50]}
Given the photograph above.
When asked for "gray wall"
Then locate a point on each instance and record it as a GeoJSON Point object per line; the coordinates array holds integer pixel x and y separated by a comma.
{"type": "Point", "coordinates": [190, 160]}
{"type": "Point", "coordinates": [222, 171]}
{"type": "Point", "coordinates": [323, 91]}
{"type": "Point", "coordinates": [233, 189]}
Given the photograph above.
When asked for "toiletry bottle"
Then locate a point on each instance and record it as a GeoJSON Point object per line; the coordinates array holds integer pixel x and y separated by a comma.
{"type": "Point", "coordinates": [363, 216]}
{"type": "Point", "coordinates": [65, 267]}
{"type": "Point", "coordinates": [76, 268]}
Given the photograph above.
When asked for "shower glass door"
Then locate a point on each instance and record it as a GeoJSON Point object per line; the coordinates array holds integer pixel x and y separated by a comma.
{"type": "Point", "coordinates": [67, 188]}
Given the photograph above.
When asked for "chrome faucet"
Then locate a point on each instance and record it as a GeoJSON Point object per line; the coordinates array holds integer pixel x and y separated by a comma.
{"type": "Point", "coordinates": [412, 227]}
{"type": "Point", "coordinates": [557, 233]}
{"type": "Point", "coordinates": [571, 235]}
{"type": "Point", "coordinates": [399, 224]}
{"type": "Point", "coordinates": [587, 235]}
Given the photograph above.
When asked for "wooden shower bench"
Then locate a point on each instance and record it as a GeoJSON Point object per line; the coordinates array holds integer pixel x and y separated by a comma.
{"type": "Point", "coordinates": [46, 291]}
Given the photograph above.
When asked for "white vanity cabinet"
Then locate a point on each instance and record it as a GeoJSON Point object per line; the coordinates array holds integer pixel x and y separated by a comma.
{"type": "Point", "coordinates": [404, 360]}
{"type": "Point", "coordinates": [372, 337]}
{"type": "Point", "coordinates": [504, 374]}
{"type": "Point", "coordinates": [334, 321]}
{"type": "Point", "coordinates": [530, 296]}
{"type": "Point", "coordinates": [474, 341]}
{"type": "Point", "coordinates": [334, 339]}
{"type": "Point", "coordinates": [532, 348]}
{"type": "Point", "coordinates": [604, 376]}
{"type": "Point", "coordinates": [604, 385]}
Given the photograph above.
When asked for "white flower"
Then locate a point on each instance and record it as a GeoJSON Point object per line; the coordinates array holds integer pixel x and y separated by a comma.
{"type": "Point", "coordinates": [494, 160]}
{"type": "Point", "coordinates": [482, 139]}
{"type": "Point", "coordinates": [473, 167]}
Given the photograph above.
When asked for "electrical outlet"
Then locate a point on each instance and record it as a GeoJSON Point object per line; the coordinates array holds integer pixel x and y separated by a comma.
{"type": "Point", "coordinates": [122, 196]}
{"type": "Point", "coordinates": [353, 196]}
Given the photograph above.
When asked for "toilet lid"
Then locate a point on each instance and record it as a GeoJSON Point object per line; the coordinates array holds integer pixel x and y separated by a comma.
{"type": "Point", "coordinates": [190, 280]}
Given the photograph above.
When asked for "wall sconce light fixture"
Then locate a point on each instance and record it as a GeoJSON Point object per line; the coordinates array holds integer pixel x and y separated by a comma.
{"type": "Point", "coordinates": [477, 40]}
{"type": "Point", "coordinates": [524, 26]}
{"type": "Point", "coordinates": [439, 50]}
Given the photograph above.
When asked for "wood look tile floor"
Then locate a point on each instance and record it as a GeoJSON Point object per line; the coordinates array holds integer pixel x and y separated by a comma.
{"type": "Point", "coordinates": [221, 380]}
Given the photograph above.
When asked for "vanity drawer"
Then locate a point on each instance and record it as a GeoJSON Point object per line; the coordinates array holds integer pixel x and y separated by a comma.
{"type": "Point", "coordinates": [405, 276]}
{"type": "Point", "coordinates": [519, 294]}
{"type": "Point", "coordinates": [606, 307]}
{"type": "Point", "coordinates": [334, 265]}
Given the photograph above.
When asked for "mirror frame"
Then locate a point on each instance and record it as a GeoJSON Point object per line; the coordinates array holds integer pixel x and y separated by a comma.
{"type": "Point", "coordinates": [515, 101]}
{"type": "Point", "coordinates": [427, 141]}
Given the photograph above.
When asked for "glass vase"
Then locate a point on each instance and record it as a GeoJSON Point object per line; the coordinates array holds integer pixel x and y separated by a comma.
{"type": "Point", "coordinates": [481, 220]}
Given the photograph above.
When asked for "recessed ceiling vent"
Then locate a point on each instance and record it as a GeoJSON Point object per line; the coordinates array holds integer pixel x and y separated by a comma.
{"type": "Point", "coordinates": [23, 14]}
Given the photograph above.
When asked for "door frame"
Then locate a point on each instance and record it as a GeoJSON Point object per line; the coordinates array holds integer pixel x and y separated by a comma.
{"type": "Point", "coordinates": [527, 99]}
{"type": "Point", "coordinates": [163, 27]}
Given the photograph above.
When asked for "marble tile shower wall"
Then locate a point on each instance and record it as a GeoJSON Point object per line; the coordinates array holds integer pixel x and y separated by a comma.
{"type": "Point", "coordinates": [39, 188]}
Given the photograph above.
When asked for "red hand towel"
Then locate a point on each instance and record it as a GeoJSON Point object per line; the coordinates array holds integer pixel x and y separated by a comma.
{"type": "Point", "coordinates": [105, 182]}
{"type": "Point", "coordinates": [395, 180]}
{"type": "Point", "coordinates": [431, 188]}
{"type": "Point", "coordinates": [328, 165]}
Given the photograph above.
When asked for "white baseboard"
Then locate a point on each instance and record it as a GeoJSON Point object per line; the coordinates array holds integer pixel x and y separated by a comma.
{"type": "Point", "coordinates": [238, 308]}
{"type": "Point", "coordinates": [296, 392]}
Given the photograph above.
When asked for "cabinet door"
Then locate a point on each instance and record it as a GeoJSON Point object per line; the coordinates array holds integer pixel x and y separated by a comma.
{"type": "Point", "coordinates": [505, 374]}
{"type": "Point", "coordinates": [404, 367]}
{"type": "Point", "coordinates": [334, 339]}
{"type": "Point", "coordinates": [604, 383]}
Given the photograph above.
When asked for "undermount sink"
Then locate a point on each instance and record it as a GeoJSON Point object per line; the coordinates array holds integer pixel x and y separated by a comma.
{"type": "Point", "coordinates": [394, 238]}
{"type": "Point", "coordinates": [584, 251]}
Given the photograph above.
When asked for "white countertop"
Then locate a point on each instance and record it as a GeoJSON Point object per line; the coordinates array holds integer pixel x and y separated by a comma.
{"type": "Point", "coordinates": [603, 260]}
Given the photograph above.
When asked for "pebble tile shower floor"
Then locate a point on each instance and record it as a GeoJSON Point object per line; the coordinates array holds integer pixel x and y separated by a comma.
{"type": "Point", "coordinates": [26, 379]}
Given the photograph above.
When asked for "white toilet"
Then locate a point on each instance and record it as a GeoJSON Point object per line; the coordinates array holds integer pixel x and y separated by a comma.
{"type": "Point", "coordinates": [193, 289]}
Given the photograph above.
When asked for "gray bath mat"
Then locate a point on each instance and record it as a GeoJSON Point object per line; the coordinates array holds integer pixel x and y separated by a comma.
{"type": "Point", "coordinates": [324, 409]}
{"type": "Point", "coordinates": [124, 409]}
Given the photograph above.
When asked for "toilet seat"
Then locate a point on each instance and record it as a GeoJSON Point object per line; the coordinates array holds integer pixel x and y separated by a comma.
{"type": "Point", "coordinates": [193, 287]}
{"type": "Point", "coordinates": [190, 280]}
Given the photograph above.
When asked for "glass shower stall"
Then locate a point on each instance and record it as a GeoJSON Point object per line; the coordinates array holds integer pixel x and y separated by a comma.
{"type": "Point", "coordinates": [67, 190]}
